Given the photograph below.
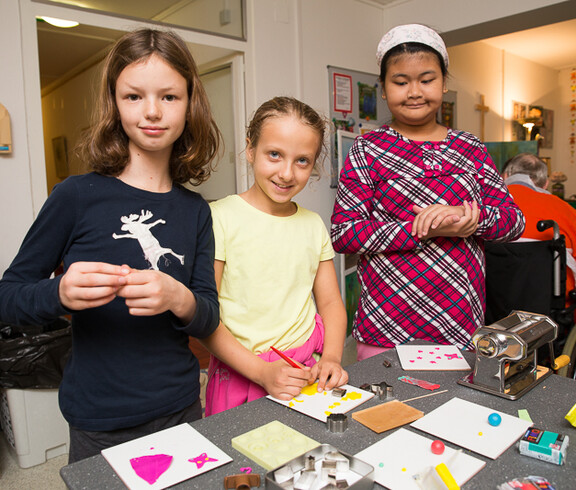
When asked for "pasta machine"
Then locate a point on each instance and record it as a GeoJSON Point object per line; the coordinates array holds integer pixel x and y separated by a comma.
{"type": "Point", "coordinates": [507, 355]}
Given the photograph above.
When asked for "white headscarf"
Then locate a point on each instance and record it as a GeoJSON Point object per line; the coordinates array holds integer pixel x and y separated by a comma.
{"type": "Point", "coordinates": [411, 33]}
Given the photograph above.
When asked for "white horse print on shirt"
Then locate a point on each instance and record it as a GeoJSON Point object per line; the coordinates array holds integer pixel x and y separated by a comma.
{"type": "Point", "coordinates": [138, 229]}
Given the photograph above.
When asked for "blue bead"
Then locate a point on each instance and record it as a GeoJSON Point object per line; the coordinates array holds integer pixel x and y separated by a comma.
{"type": "Point", "coordinates": [494, 419]}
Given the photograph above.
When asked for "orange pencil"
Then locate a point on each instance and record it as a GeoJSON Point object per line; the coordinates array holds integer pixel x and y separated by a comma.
{"type": "Point", "coordinates": [286, 358]}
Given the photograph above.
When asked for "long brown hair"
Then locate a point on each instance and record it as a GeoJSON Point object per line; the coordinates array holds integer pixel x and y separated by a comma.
{"type": "Point", "coordinates": [104, 146]}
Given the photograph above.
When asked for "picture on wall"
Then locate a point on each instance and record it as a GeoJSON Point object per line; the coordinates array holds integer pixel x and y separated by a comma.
{"type": "Point", "coordinates": [367, 98]}
{"type": "Point", "coordinates": [519, 115]}
{"type": "Point", "coordinates": [535, 114]}
{"type": "Point", "coordinates": [520, 110]}
{"type": "Point", "coordinates": [533, 122]}
{"type": "Point", "coordinates": [352, 296]}
{"type": "Point", "coordinates": [342, 92]}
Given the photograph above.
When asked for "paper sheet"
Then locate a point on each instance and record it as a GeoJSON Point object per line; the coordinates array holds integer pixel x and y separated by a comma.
{"type": "Point", "coordinates": [320, 405]}
{"type": "Point", "coordinates": [466, 424]}
{"type": "Point", "coordinates": [403, 454]}
{"type": "Point", "coordinates": [165, 458]}
{"type": "Point", "coordinates": [431, 358]}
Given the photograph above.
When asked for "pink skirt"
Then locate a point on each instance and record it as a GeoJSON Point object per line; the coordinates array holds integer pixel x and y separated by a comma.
{"type": "Point", "coordinates": [364, 351]}
{"type": "Point", "coordinates": [228, 389]}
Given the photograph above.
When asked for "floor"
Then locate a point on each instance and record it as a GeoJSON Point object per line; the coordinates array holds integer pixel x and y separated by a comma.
{"type": "Point", "coordinates": [46, 476]}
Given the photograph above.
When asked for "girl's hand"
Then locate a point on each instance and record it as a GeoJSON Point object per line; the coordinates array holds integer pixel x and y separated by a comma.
{"type": "Point", "coordinates": [467, 224]}
{"type": "Point", "coordinates": [283, 381]}
{"type": "Point", "coordinates": [150, 292]}
{"type": "Point", "coordinates": [429, 218]}
{"type": "Point", "coordinates": [464, 227]}
{"type": "Point", "coordinates": [91, 284]}
{"type": "Point", "coordinates": [329, 374]}
{"type": "Point", "coordinates": [441, 220]}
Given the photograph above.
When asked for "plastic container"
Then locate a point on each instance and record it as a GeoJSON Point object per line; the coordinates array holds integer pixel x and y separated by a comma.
{"type": "Point", "coordinates": [33, 425]}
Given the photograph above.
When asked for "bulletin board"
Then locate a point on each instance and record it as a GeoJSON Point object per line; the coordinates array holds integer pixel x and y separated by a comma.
{"type": "Point", "coordinates": [356, 105]}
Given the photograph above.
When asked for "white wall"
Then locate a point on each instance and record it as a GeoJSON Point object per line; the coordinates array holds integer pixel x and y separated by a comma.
{"type": "Point", "coordinates": [16, 179]}
{"type": "Point", "coordinates": [478, 68]}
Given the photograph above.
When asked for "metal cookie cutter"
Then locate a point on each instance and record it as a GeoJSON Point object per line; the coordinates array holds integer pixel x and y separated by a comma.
{"type": "Point", "coordinates": [385, 391]}
{"type": "Point", "coordinates": [339, 392]}
{"type": "Point", "coordinates": [337, 422]}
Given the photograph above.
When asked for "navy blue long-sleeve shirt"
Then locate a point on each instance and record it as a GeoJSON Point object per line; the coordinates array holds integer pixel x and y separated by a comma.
{"type": "Point", "coordinates": [124, 370]}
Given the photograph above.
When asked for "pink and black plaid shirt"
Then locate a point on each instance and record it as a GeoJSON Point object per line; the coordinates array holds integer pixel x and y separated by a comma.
{"type": "Point", "coordinates": [411, 289]}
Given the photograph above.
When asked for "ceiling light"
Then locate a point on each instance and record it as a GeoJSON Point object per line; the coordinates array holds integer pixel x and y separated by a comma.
{"type": "Point", "coordinates": [58, 22]}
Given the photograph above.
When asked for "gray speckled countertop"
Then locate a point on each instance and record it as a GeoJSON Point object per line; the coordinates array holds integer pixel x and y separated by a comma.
{"type": "Point", "coordinates": [547, 404]}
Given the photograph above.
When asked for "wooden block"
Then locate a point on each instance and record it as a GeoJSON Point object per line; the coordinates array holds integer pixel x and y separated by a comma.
{"type": "Point", "coordinates": [387, 416]}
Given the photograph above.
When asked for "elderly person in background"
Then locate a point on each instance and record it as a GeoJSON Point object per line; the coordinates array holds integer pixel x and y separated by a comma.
{"type": "Point", "coordinates": [527, 179]}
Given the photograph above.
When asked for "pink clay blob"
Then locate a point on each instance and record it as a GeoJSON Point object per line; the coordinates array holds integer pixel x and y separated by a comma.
{"type": "Point", "coordinates": [150, 468]}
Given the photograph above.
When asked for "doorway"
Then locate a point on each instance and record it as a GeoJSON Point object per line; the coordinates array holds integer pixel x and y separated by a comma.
{"type": "Point", "coordinates": [218, 86]}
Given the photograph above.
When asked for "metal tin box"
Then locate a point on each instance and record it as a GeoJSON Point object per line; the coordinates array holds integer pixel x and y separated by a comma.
{"type": "Point", "coordinates": [363, 473]}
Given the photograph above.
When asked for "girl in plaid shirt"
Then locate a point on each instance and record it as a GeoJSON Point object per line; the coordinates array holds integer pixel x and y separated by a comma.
{"type": "Point", "coordinates": [416, 201]}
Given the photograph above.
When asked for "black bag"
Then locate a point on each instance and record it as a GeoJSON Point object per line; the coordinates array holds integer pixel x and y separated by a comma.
{"type": "Point", "coordinates": [34, 356]}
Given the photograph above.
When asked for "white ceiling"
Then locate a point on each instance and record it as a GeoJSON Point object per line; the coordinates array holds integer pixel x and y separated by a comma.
{"type": "Point", "coordinates": [552, 45]}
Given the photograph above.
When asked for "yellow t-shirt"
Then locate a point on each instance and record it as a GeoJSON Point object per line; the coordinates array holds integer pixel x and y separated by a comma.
{"type": "Point", "coordinates": [270, 266]}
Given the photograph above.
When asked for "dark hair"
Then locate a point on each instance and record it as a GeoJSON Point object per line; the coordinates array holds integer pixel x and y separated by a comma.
{"type": "Point", "coordinates": [286, 106]}
{"type": "Point", "coordinates": [409, 48]}
{"type": "Point", "coordinates": [104, 147]}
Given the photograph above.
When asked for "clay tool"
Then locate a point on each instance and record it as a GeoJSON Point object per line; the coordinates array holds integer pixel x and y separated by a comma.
{"type": "Point", "coordinates": [424, 396]}
{"type": "Point", "coordinates": [418, 382]}
{"type": "Point", "coordinates": [286, 358]}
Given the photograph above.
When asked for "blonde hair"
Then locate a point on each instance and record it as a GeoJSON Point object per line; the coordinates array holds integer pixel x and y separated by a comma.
{"type": "Point", "coordinates": [104, 146]}
{"type": "Point", "coordinates": [287, 106]}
